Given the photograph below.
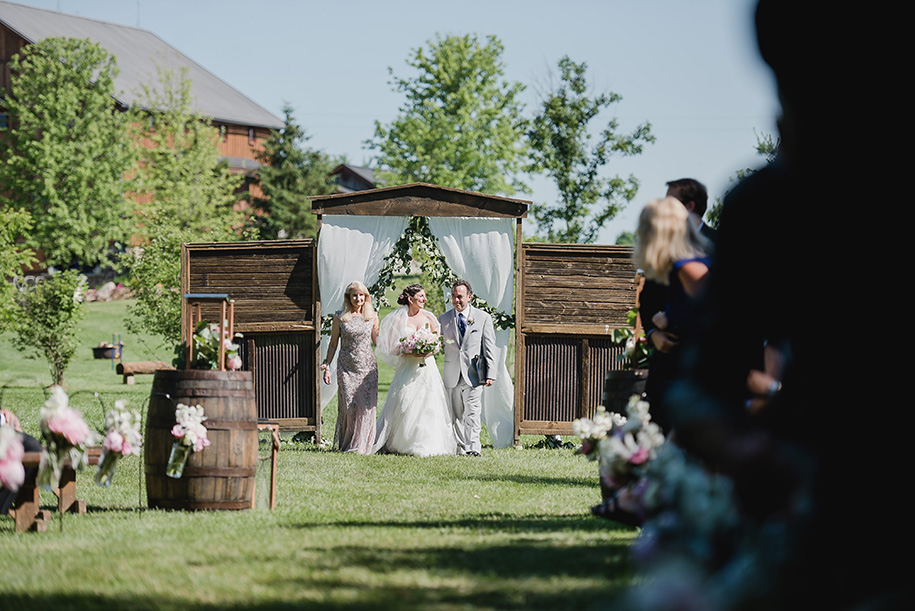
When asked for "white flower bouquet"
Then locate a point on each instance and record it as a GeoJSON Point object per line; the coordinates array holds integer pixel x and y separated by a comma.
{"type": "Point", "coordinates": [122, 438]}
{"type": "Point", "coordinates": [423, 342]}
{"type": "Point", "coordinates": [190, 436]}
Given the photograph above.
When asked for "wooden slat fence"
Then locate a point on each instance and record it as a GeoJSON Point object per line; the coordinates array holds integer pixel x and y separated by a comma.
{"type": "Point", "coordinates": [568, 301]}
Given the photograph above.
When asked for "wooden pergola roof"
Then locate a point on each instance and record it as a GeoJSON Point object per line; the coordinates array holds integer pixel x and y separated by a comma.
{"type": "Point", "coordinates": [419, 199]}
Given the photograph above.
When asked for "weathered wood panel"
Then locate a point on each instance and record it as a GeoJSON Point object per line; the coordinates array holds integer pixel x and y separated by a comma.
{"type": "Point", "coordinates": [573, 284]}
{"type": "Point", "coordinates": [570, 298]}
{"type": "Point", "coordinates": [283, 365]}
{"type": "Point", "coordinates": [552, 379]}
{"type": "Point", "coordinates": [271, 282]}
{"type": "Point", "coordinates": [274, 287]}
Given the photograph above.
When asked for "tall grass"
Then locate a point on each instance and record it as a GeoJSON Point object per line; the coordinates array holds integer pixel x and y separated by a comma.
{"type": "Point", "coordinates": [509, 530]}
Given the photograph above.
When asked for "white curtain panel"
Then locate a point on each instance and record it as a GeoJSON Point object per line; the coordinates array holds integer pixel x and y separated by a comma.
{"type": "Point", "coordinates": [482, 251]}
{"type": "Point", "coordinates": [351, 248]}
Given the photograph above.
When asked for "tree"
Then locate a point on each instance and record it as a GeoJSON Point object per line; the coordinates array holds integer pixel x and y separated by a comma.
{"type": "Point", "coordinates": [14, 256]}
{"type": "Point", "coordinates": [461, 125]}
{"type": "Point", "coordinates": [290, 174]}
{"type": "Point", "coordinates": [65, 155]}
{"type": "Point", "coordinates": [626, 238]}
{"type": "Point", "coordinates": [186, 194]}
{"type": "Point", "coordinates": [45, 321]}
{"type": "Point", "coordinates": [559, 140]}
{"type": "Point", "coordinates": [181, 181]}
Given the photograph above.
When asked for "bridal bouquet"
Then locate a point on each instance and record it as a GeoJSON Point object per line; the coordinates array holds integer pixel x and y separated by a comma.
{"type": "Point", "coordinates": [65, 435]}
{"type": "Point", "coordinates": [424, 341]}
{"type": "Point", "coordinates": [190, 436]}
{"type": "Point", "coordinates": [12, 473]}
{"type": "Point", "coordinates": [122, 439]}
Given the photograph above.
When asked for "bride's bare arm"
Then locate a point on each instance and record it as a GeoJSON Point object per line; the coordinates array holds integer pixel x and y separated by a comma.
{"type": "Point", "coordinates": [433, 321]}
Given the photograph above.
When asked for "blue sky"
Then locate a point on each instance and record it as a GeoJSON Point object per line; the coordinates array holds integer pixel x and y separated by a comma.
{"type": "Point", "coordinates": [691, 68]}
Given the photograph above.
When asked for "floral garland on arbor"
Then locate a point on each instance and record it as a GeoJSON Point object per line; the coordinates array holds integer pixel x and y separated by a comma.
{"type": "Point", "coordinates": [418, 235]}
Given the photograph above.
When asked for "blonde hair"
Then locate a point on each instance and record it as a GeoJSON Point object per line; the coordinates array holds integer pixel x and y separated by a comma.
{"type": "Point", "coordinates": [666, 234]}
{"type": "Point", "coordinates": [368, 312]}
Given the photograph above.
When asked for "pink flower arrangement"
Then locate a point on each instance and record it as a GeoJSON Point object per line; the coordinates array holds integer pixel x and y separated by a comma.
{"type": "Point", "coordinates": [189, 429]}
{"type": "Point", "coordinates": [623, 446]}
{"type": "Point", "coordinates": [424, 341]}
{"type": "Point", "coordinates": [123, 436]}
{"type": "Point", "coordinates": [65, 435]}
{"type": "Point", "coordinates": [12, 473]}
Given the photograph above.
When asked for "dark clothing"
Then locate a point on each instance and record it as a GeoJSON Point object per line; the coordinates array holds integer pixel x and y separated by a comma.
{"type": "Point", "coordinates": [663, 366]}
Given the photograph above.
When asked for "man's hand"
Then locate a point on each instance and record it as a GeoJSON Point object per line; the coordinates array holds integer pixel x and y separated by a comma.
{"type": "Point", "coordinates": [664, 341]}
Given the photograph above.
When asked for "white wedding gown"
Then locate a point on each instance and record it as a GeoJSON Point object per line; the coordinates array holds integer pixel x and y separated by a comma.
{"type": "Point", "coordinates": [415, 418]}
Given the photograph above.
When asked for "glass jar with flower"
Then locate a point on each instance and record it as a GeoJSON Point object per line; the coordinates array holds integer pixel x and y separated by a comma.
{"type": "Point", "coordinates": [190, 436]}
{"type": "Point", "coordinates": [122, 438]}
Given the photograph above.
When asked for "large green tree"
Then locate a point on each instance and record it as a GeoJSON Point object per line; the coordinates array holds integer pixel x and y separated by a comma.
{"type": "Point", "coordinates": [14, 256]}
{"type": "Point", "coordinates": [65, 155]}
{"type": "Point", "coordinates": [461, 123]}
{"type": "Point", "coordinates": [289, 174]}
{"type": "Point", "coordinates": [185, 193]}
{"type": "Point", "coordinates": [563, 146]}
{"type": "Point", "coordinates": [182, 182]}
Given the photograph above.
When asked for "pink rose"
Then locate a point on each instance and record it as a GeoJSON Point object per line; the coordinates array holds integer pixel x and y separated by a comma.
{"type": "Point", "coordinates": [640, 456]}
{"type": "Point", "coordinates": [114, 442]}
{"type": "Point", "coordinates": [201, 441]}
{"type": "Point", "coordinates": [234, 363]}
{"type": "Point", "coordinates": [70, 424]}
{"type": "Point", "coordinates": [12, 473]}
{"type": "Point", "coordinates": [178, 431]}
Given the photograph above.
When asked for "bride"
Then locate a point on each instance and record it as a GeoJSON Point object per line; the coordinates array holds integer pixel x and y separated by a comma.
{"type": "Point", "coordinates": [415, 416]}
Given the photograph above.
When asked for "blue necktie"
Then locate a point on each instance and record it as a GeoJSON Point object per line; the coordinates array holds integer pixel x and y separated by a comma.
{"type": "Point", "coordinates": [461, 326]}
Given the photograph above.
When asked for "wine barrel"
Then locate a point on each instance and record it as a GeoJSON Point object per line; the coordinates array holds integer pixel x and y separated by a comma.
{"type": "Point", "coordinates": [221, 476]}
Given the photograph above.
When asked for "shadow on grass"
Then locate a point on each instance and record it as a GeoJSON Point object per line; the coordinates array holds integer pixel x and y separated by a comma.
{"type": "Point", "coordinates": [352, 597]}
{"type": "Point", "coordinates": [494, 523]}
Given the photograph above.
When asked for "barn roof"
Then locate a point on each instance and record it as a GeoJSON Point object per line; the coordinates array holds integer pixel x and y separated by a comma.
{"type": "Point", "coordinates": [419, 199]}
{"type": "Point", "coordinates": [138, 54]}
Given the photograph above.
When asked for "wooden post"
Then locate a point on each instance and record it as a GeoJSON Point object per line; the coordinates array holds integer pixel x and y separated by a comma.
{"type": "Point", "coordinates": [519, 336]}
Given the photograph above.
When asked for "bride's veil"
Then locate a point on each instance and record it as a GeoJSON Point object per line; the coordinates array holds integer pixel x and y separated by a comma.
{"type": "Point", "coordinates": [389, 333]}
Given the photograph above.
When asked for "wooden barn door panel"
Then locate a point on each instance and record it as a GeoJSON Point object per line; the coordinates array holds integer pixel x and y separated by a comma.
{"type": "Point", "coordinates": [274, 286]}
{"type": "Point", "coordinates": [283, 367]}
{"type": "Point", "coordinates": [570, 298]}
{"type": "Point", "coordinates": [552, 381]}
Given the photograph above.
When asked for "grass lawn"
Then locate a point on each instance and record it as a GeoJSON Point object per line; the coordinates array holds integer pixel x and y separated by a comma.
{"type": "Point", "coordinates": [510, 530]}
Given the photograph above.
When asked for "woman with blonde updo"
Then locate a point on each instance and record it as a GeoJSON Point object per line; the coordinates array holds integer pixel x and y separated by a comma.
{"type": "Point", "coordinates": [356, 329]}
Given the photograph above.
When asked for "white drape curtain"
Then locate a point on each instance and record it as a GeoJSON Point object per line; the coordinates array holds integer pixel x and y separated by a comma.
{"type": "Point", "coordinates": [482, 252]}
{"type": "Point", "coordinates": [351, 248]}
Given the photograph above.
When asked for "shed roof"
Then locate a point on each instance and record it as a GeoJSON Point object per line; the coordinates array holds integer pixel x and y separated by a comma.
{"type": "Point", "coordinates": [138, 54]}
{"type": "Point", "coordinates": [419, 199]}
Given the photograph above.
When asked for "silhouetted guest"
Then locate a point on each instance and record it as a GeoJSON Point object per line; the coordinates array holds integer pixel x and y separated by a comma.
{"type": "Point", "coordinates": [784, 276]}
